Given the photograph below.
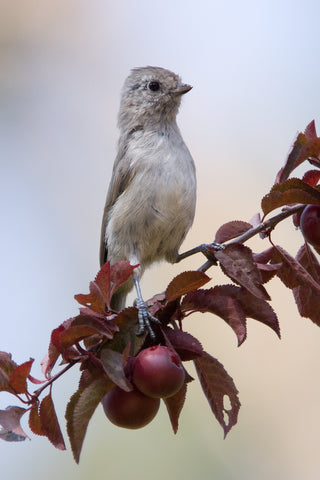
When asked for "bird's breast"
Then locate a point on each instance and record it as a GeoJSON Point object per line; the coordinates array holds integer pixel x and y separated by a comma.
{"type": "Point", "coordinates": [157, 209]}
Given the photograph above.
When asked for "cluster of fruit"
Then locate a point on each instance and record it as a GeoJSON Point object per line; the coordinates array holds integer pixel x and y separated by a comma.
{"type": "Point", "coordinates": [157, 373]}
{"type": "Point", "coordinates": [310, 225]}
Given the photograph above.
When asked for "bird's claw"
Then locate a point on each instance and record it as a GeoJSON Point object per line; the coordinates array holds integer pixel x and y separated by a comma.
{"type": "Point", "coordinates": [145, 318]}
{"type": "Point", "coordinates": [209, 252]}
{"type": "Point", "coordinates": [216, 246]}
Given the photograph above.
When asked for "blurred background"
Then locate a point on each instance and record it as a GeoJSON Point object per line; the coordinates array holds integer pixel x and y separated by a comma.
{"type": "Point", "coordinates": [255, 69]}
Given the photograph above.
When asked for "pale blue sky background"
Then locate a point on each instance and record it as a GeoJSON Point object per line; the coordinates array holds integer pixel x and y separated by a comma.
{"type": "Point", "coordinates": [255, 70]}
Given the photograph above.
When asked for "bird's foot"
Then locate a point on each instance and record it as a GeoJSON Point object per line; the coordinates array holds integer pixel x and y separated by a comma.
{"type": "Point", "coordinates": [145, 318]}
{"type": "Point", "coordinates": [209, 249]}
{"type": "Point", "coordinates": [216, 246]}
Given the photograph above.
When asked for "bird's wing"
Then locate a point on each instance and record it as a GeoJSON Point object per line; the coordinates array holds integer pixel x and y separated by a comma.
{"type": "Point", "coordinates": [122, 175]}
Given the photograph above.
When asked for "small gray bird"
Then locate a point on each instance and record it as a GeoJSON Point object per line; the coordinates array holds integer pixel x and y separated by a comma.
{"type": "Point", "coordinates": [151, 199]}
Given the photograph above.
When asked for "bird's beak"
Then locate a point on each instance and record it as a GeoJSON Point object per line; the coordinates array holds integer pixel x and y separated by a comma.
{"type": "Point", "coordinates": [181, 89]}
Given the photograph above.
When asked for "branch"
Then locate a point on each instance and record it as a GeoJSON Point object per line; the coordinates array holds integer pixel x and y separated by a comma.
{"type": "Point", "coordinates": [71, 363]}
{"type": "Point", "coordinates": [266, 226]}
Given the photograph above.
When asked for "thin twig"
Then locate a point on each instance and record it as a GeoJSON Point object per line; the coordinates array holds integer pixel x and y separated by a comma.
{"type": "Point", "coordinates": [55, 377]}
{"type": "Point", "coordinates": [266, 225]}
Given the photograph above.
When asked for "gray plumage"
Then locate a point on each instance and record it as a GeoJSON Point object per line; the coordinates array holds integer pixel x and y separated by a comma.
{"type": "Point", "coordinates": [151, 199]}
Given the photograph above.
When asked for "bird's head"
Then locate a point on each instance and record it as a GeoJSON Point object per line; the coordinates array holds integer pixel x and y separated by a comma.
{"type": "Point", "coordinates": [150, 95]}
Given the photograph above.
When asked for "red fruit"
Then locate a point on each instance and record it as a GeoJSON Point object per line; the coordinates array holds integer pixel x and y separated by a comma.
{"type": "Point", "coordinates": [310, 224]}
{"type": "Point", "coordinates": [129, 409]}
{"type": "Point", "coordinates": [158, 372]}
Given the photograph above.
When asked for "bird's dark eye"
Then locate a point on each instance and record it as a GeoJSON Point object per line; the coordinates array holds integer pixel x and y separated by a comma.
{"type": "Point", "coordinates": [154, 86]}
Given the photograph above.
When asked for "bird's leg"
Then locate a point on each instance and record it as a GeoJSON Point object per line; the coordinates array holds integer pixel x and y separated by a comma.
{"type": "Point", "coordinates": [203, 248]}
{"type": "Point", "coordinates": [144, 315]}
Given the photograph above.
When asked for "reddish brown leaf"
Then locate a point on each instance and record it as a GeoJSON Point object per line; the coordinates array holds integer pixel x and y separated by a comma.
{"type": "Point", "coordinates": [252, 307]}
{"type": "Point", "coordinates": [258, 309]}
{"type": "Point", "coordinates": [310, 131]}
{"type": "Point", "coordinates": [73, 335]}
{"type": "Point", "coordinates": [80, 410]}
{"type": "Point", "coordinates": [34, 380]}
{"type": "Point", "coordinates": [306, 147]}
{"type": "Point", "coordinates": [86, 378]}
{"type": "Point", "coordinates": [292, 273]}
{"type": "Point", "coordinates": [308, 299]}
{"type": "Point", "coordinates": [265, 256]}
{"type": "Point", "coordinates": [237, 263]}
{"type": "Point", "coordinates": [267, 270]}
{"type": "Point", "coordinates": [50, 424]}
{"type": "Point", "coordinates": [77, 329]}
{"type": "Point", "coordinates": [6, 362]}
{"type": "Point", "coordinates": [34, 421]}
{"type": "Point", "coordinates": [289, 192]}
{"type": "Point", "coordinates": [311, 177]}
{"type": "Point", "coordinates": [49, 361]}
{"type": "Point", "coordinates": [120, 273]}
{"type": "Point", "coordinates": [127, 319]}
{"type": "Point", "coordinates": [94, 300]}
{"type": "Point", "coordinates": [308, 302]}
{"type": "Point", "coordinates": [89, 372]}
{"type": "Point", "coordinates": [105, 317]}
{"type": "Point", "coordinates": [231, 230]}
{"type": "Point", "coordinates": [310, 150]}
{"type": "Point", "coordinates": [107, 280]}
{"type": "Point", "coordinates": [186, 346]}
{"type": "Point", "coordinates": [7, 366]}
{"type": "Point", "coordinates": [55, 334]}
{"type": "Point", "coordinates": [10, 421]}
{"type": "Point", "coordinates": [127, 322]}
{"type": "Point", "coordinates": [170, 312]}
{"type": "Point", "coordinates": [100, 323]}
{"type": "Point", "coordinates": [112, 363]}
{"type": "Point", "coordinates": [309, 261]}
{"type": "Point", "coordinates": [18, 378]}
{"type": "Point", "coordinates": [92, 342]}
{"type": "Point", "coordinates": [185, 282]}
{"type": "Point", "coordinates": [156, 303]}
{"type": "Point", "coordinates": [54, 349]}
{"type": "Point", "coordinates": [216, 383]}
{"type": "Point", "coordinates": [126, 355]}
{"type": "Point", "coordinates": [292, 158]}
{"type": "Point", "coordinates": [45, 364]}
{"type": "Point", "coordinates": [174, 406]}
{"type": "Point", "coordinates": [223, 306]}
{"type": "Point", "coordinates": [103, 281]}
